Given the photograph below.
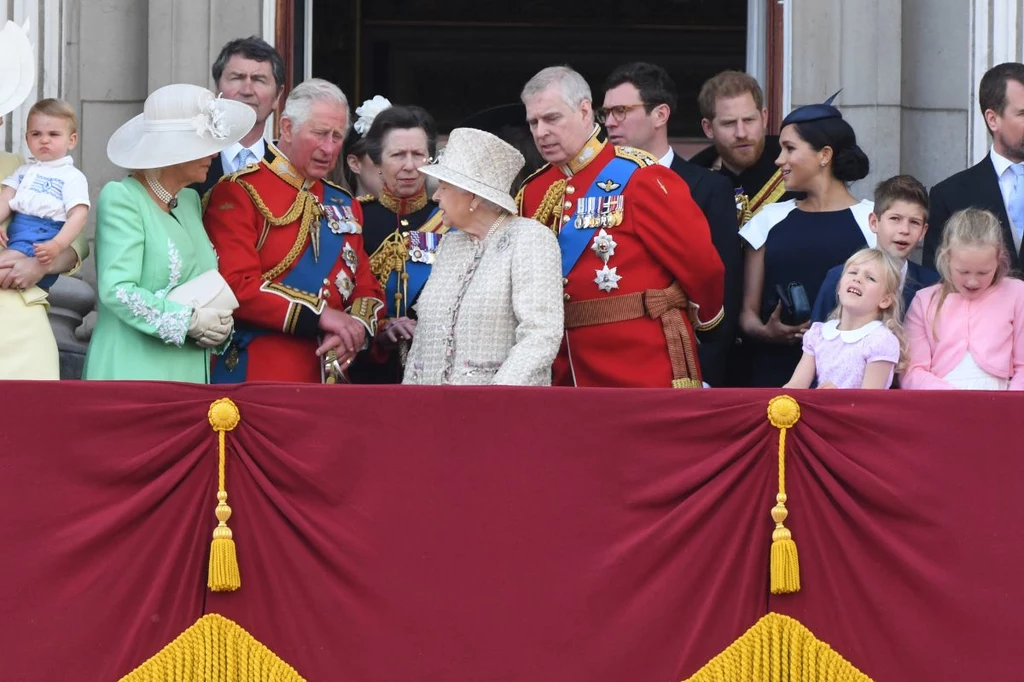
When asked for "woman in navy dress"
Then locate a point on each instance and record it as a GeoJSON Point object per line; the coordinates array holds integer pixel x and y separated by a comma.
{"type": "Point", "coordinates": [797, 241]}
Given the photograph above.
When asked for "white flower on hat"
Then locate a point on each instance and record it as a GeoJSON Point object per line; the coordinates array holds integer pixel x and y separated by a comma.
{"type": "Point", "coordinates": [368, 111]}
{"type": "Point", "coordinates": [212, 119]}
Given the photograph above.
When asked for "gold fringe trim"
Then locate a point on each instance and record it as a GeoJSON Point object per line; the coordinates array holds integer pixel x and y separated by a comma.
{"type": "Point", "coordinates": [214, 649]}
{"type": "Point", "coordinates": [783, 413]}
{"type": "Point", "coordinates": [223, 573]}
{"type": "Point", "coordinates": [551, 206]}
{"type": "Point", "coordinates": [779, 649]}
{"type": "Point", "coordinates": [305, 207]}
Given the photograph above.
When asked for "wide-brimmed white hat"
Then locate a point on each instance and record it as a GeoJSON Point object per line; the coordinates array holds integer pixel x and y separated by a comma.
{"type": "Point", "coordinates": [481, 163]}
{"type": "Point", "coordinates": [179, 123]}
{"type": "Point", "coordinates": [17, 66]}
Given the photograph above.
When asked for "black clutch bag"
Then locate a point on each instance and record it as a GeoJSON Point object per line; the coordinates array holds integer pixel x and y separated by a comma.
{"type": "Point", "coordinates": [796, 308]}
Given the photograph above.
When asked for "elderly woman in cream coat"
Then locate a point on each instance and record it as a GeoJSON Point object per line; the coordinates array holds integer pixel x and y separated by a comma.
{"type": "Point", "coordinates": [491, 312]}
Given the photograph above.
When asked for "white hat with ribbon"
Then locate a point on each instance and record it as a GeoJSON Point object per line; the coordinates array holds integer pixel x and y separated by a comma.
{"type": "Point", "coordinates": [17, 66]}
{"type": "Point", "coordinates": [480, 163]}
{"type": "Point", "coordinates": [179, 123]}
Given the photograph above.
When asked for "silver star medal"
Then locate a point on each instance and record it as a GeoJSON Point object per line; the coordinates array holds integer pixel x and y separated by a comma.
{"type": "Point", "coordinates": [604, 246]}
{"type": "Point", "coordinates": [607, 278]}
{"type": "Point", "coordinates": [334, 219]}
{"type": "Point", "coordinates": [348, 254]}
{"type": "Point", "coordinates": [344, 284]}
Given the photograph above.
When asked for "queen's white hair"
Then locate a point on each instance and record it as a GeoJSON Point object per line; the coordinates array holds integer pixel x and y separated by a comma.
{"type": "Point", "coordinates": [573, 86]}
{"type": "Point", "coordinates": [297, 106]}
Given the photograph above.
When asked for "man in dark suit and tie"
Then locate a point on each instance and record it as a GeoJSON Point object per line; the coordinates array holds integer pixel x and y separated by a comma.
{"type": "Point", "coordinates": [247, 70]}
{"type": "Point", "coordinates": [996, 183]}
{"type": "Point", "coordinates": [639, 98]}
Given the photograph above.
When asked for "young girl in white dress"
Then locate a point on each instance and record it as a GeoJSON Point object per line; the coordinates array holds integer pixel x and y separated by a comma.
{"type": "Point", "coordinates": [861, 345]}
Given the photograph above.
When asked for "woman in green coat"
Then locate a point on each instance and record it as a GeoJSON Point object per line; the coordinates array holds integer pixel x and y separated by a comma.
{"type": "Point", "coordinates": [150, 240]}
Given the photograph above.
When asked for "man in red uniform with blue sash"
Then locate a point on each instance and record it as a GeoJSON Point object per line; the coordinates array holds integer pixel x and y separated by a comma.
{"type": "Point", "coordinates": [290, 245]}
{"type": "Point", "coordinates": [636, 285]}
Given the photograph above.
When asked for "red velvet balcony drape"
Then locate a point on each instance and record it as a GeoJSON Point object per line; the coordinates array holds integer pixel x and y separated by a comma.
{"type": "Point", "coordinates": [507, 535]}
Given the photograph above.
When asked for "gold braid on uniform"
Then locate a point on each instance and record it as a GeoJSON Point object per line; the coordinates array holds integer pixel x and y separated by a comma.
{"type": "Point", "coordinates": [551, 206]}
{"type": "Point", "coordinates": [390, 257]}
{"type": "Point", "coordinates": [305, 205]}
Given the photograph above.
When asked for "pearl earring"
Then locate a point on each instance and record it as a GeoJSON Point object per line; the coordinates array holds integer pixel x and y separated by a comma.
{"type": "Point", "coordinates": [470, 209]}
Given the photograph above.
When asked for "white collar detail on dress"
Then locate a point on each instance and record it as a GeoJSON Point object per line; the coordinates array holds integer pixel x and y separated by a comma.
{"type": "Point", "coordinates": [831, 330]}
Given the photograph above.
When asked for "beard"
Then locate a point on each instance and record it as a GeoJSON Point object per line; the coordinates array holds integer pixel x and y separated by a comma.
{"type": "Point", "coordinates": [1013, 149]}
{"type": "Point", "coordinates": [742, 159]}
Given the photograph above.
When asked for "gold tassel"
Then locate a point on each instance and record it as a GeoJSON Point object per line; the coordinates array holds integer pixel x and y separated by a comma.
{"type": "Point", "coordinates": [223, 573]}
{"type": "Point", "coordinates": [783, 413]}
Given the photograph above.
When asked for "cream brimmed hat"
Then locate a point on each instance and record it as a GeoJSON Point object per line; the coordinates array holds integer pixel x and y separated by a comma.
{"type": "Point", "coordinates": [17, 66]}
{"type": "Point", "coordinates": [480, 163]}
{"type": "Point", "coordinates": [179, 123]}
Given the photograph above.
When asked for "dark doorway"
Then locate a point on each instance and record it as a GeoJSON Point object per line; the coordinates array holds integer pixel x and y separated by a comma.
{"type": "Point", "coordinates": [455, 57]}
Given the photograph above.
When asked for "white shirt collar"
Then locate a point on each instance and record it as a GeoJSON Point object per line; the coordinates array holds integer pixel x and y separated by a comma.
{"type": "Point", "coordinates": [63, 161]}
{"type": "Point", "coordinates": [666, 160]}
{"type": "Point", "coordinates": [999, 162]}
{"type": "Point", "coordinates": [231, 153]}
{"type": "Point", "coordinates": [903, 274]}
{"type": "Point", "coordinates": [830, 330]}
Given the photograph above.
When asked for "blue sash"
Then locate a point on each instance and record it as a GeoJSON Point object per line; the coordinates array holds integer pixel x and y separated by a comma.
{"type": "Point", "coordinates": [419, 261]}
{"type": "Point", "coordinates": [574, 240]}
{"type": "Point", "coordinates": [306, 275]}
{"type": "Point", "coordinates": [25, 231]}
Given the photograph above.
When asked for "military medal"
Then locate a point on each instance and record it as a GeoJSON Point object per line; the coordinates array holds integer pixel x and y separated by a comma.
{"type": "Point", "coordinates": [607, 278]}
{"type": "Point", "coordinates": [422, 246]}
{"type": "Point", "coordinates": [344, 284]}
{"type": "Point", "coordinates": [231, 359]}
{"type": "Point", "coordinates": [348, 254]}
{"type": "Point", "coordinates": [333, 219]}
{"type": "Point", "coordinates": [604, 246]}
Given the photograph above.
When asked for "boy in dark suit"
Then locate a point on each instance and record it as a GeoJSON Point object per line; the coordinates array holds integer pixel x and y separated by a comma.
{"type": "Point", "coordinates": [900, 219]}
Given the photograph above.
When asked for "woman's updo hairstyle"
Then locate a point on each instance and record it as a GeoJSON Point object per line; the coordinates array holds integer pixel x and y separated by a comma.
{"type": "Point", "coordinates": [399, 118]}
{"type": "Point", "coordinates": [820, 126]}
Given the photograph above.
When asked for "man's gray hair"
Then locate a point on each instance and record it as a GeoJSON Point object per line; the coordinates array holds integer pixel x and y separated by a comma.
{"type": "Point", "coordinates": [296, 107]}
{"type": "Point", "coordinates": [573, 86]}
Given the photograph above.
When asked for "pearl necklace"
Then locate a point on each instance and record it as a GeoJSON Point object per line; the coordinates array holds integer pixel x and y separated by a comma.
{"type": "Point", "coordinates": [160, 192]}
{"type": "Point", "coordinates": [494, 226]}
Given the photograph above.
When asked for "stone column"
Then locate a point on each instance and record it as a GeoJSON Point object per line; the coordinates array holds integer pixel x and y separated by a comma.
{"type": "Point", "coordinates": [855, 45]}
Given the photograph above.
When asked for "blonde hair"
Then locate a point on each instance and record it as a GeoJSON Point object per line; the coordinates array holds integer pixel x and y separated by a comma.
{"type": "Point", "coordinates": [57, 108]}
{"type": "Point", "coordinates": [969, 227]}
{"type": "Point", "coordinates": [892, 271]}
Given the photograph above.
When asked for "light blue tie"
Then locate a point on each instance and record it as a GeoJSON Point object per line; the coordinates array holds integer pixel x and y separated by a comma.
{"type": "Point", "coordinates": [1015, 208]}
{"type": "Point", "coordinates": [244, 158]}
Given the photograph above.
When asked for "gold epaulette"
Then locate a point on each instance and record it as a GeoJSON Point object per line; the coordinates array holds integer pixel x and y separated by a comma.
{"type": "Point", "coordinates": [522, 187]}
{"type": "Point", "coordinates": [367, 198]}
{"type": "Point", "coordinates": [231, 177]}
{"type": "Point", "coordinates": [337, 187]}
{"type": "Point", "coordinates": [638, 156]}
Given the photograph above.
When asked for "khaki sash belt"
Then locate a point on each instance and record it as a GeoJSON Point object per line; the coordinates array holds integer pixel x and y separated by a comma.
{"type": "Point", "coordinates": [664, 304]}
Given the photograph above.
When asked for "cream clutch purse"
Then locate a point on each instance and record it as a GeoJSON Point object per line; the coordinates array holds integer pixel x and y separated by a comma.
{"type": "Point", "coordinates": [208, 290]}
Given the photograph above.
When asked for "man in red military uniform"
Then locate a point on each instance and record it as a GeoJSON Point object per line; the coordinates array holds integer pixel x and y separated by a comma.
{"type": "Point", "coordinates": [290, 245]}
{"type": "Point", "coordinates": [638, 266]}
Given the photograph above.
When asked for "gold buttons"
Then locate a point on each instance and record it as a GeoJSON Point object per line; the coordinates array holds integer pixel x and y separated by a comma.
{"type": "Point", "coordinates": [405, 223]}
{"type": "Point", "coordinates": [566, 297]}
{"type": "Point", "coordinates": [568, 205]}
{"type": "Point", "coordinates": [565, 281]}
{"type": "Point", "coordinates": [569, 189]}
{"type": "Point", "coordinates": [565, 219]}
{"type": "Point", "coordinates": [327, 282]}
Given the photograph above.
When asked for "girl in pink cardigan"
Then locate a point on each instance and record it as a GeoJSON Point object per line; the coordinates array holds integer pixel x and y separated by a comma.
{"type": "Point", "coordinates": [967, 331]}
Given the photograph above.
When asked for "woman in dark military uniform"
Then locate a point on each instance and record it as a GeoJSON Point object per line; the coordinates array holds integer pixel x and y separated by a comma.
{"type": "Point", "coordinates": [401, 229]}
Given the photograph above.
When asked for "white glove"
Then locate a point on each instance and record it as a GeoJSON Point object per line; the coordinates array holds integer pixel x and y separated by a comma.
{"type": "Point", "coordinates": [210, 326]}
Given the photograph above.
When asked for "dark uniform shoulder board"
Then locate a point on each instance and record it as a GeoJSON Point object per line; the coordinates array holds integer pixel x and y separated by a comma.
{"type": "Point", "coordinates": [337, 187]}
{"type": "Point", "coordinates": [366, 198]}
{"type": "Point", "coordinates": [638, 156]}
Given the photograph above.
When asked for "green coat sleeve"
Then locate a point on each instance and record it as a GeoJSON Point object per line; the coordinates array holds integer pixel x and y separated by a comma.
{"type": "Point", "coordinates": [120, 240]}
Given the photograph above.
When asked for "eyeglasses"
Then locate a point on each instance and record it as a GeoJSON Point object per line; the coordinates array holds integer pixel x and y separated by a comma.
{"type": "Point", "coordinates": [619, 113]}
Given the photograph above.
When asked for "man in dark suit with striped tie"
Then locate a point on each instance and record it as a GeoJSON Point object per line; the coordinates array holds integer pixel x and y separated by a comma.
{"type": "Point", "coordinates": [247, 70]}
{"type": "Point", "coordinates": [638, 100]}
{"type": "Point", "coordinates": [996, 183]}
